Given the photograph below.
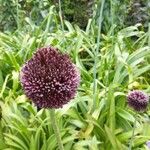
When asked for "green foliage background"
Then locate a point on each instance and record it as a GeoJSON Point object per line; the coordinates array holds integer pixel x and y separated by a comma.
{"type": "Point", "coordinates": [111, 63]}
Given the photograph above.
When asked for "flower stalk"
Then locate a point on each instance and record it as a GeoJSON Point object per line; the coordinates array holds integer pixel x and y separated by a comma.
{"type": "Point", "coordinates": [133, 132]}
{"type": "Point", "coordinates": [56, 129]}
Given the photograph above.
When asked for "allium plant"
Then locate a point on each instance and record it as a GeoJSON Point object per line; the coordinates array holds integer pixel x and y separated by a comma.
{"type": "Point", "coordinates": [138, 100]}
{"type": "Point", "coordinates": [50, 80]}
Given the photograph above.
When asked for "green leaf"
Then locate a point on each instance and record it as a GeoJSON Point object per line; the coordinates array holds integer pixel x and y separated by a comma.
{"type": "Point", "coordinates": [15, 141]}
{"type": "Point", "coordinates": [126, 115]}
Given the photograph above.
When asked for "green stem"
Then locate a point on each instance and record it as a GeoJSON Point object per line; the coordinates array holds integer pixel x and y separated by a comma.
{"type": "Point", "coordinates": [56, 129]}
{"type": "Point", "coordinates": [17, 14]}
{"type": "Point", "coordinates": [133, 131]}
{"type": "Point", "coordinates": [96, 53]}
{"type": "Point", "coordinates": [60, 15]}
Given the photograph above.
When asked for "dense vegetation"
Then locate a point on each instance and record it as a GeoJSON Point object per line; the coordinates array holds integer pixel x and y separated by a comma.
{"type": "Point", "coordinates": [110, 47]}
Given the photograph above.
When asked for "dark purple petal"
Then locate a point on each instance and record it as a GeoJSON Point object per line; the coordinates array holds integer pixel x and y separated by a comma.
{"type": "Point", "coordinates": [138, 100]}
{"type": "Point", "coordinates": [49, 78]}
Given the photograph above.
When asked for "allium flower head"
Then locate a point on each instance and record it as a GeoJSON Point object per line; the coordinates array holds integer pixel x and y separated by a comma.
{"type": "Point", "coordinates": [138, 100]}
{"type": "Point", "coordinates": [49, 78]}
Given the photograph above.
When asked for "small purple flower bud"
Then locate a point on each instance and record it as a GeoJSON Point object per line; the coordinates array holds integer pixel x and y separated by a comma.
{"type": "Point", "coordinates": [138, 100]}
{"type": "Point", "coordinates": [49, 78]}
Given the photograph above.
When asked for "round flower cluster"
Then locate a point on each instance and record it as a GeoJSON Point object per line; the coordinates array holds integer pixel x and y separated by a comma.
{"type": "Point", "coordinates": [138, 100]}
{"type": "Point", "coordinates": [49, 78]}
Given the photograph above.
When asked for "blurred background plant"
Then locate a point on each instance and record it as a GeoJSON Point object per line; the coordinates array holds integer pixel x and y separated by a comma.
{"type": "Point", "coordinates": [77, 12]}
{"type": "Point", "coordinates": [123, 65]}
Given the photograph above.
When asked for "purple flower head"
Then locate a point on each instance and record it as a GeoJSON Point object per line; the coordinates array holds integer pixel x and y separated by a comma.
{"type": "Point", "coordinates": [49, 78]}
{"type": "Point", "coordinates": [138, 100]}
